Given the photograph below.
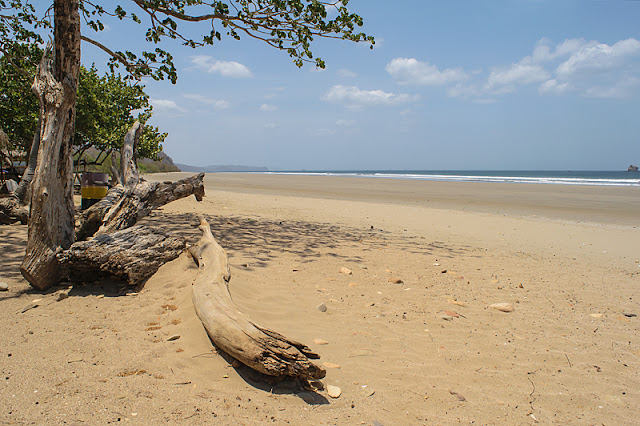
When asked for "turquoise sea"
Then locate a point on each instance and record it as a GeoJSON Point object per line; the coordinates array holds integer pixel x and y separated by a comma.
{"type": "Point", "coordinates": [598, 178]}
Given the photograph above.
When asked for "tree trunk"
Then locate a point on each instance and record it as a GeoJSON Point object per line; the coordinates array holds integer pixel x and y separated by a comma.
{"type": "Point", "coordinates": [128, 168]}
{"type": "Point", "coordinates": [51, 219]}
{"type": "Point", "coordinates": [130, 255]}
{"type": "Point", "coordinates": [27, 176]}
{"type": "Point", "coordinates": [233, 331]}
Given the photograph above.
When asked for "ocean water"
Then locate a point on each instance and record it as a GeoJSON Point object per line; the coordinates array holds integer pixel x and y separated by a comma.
{"type": "Point", "coordinates": [597, 178]}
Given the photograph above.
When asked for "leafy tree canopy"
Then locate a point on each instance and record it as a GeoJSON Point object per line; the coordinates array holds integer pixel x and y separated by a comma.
{"type": "Point", "coordinates": [105, 106]}
{"type": "Point", "coordinates": [288, 25]}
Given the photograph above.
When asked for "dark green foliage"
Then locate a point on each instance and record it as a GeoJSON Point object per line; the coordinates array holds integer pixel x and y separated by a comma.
{"type": "Point", "coordinates": [104, 106]}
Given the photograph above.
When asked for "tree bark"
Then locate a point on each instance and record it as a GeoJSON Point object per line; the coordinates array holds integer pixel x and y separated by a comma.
{"type": "Point", "coordinates": [128, 168]}
{"type": "Point", "coordinates": [132, 255]}
{"type": "Point", "coordinates": [233, 331]}
{"type": "Point", "coordinates": [27, 176]}
{"type": "Point", "coordinates": [51, 219]}
{"type": "Point", "coordinates": [121, 209]}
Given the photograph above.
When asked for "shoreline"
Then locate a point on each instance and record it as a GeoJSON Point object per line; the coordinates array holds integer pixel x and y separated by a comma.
{"type": "Point", "coordinates": [606, 205]}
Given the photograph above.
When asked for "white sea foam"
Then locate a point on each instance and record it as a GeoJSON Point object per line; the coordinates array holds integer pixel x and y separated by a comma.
{"type": "Point", "coordinates": [549, 178]}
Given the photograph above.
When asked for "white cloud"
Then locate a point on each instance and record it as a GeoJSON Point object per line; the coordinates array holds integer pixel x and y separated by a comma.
{"type": "Point", "coordinates": [353, 97]}
{"type": "Point", "coordinates": [412, 71]}
{"type": "Point", "coordinates": [215, 103]}
{"type": "Point", "coordinates": [268, 108]}
{"type": "Point", "coordinates": [224, 68]}
{"type": "Point", "coordinates": [345, 123]}
{"type": "Point", "coordinates": [553, 87]}
{"type": "Point", "coordinates": [545, 52]}
{"type": "Point", "coordinates": [599, 57]}
{"type": "Point", "coordinates": [271, 125]}
{"type": "Point", "coordinates": [503, 81]}
{"type": "Point", "coordinates": [343, 72]}
{"type": "Point", "coordinates": [622, 89]}
{"type": "Point", "coordinates": [166, 105]}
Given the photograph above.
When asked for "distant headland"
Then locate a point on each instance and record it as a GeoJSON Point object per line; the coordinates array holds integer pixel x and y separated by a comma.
{"type": "Point", "coordinates": [220, 168]}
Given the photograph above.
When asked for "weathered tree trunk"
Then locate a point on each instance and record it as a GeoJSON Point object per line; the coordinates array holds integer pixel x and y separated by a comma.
{"type": "Point", "coordinates": [233, 331]}
{"type": "Point", "coordinates": [51, 219]}
{"type": "Point", "coordinates": [121, 209]}
{"type": "Point", "coordinates": [27, 176]}
{"type": "Point", "coordinates": [131, 255]}
{"type": "Point", "coordinates": [129, 176]}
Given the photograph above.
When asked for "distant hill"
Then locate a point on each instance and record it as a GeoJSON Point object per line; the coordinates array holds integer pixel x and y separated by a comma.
{"type": "Point", "coordinates": [220, 168]}
{"type": "Point", "coordinates": [162, 164]}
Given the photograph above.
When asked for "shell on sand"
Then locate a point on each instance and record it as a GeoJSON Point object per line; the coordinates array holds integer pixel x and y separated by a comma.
{"type": "Point", "coordinates": [504, 307]}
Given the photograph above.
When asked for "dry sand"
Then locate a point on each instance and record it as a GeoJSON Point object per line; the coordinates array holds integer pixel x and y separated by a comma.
{"type": "Point", "coordinates": [429, 349]}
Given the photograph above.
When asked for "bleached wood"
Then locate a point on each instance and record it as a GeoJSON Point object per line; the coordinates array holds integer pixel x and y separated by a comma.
{"type": "Point", "coordinates": [233, 331]}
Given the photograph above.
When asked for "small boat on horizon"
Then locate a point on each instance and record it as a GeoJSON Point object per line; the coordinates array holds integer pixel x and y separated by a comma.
{"type": "Point", "coordinates": [632, 168]}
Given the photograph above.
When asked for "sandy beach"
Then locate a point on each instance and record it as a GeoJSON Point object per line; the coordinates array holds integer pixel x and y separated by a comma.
{"type": "Point", "coordinates": [410, 336]}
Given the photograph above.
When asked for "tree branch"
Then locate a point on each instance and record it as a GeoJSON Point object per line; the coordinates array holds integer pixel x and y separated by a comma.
{"type": "Point", "coordinates": [128, 65]}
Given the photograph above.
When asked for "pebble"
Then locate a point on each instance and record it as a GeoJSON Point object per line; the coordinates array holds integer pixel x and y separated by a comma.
{"type": "Point", "coordinates": [172, 338]}
{"type": "Point", "coordinates": [504, 307]}
{"type": "Point", "coordinates": [322, 307]}
{"type": "Point", "coordinates": [320, 342]}
{"type": "Point", "coordinates": [334, 391]}
{"type": "Point", "coordinates": [346, 271]}
{"type": "Point", "coordinates": [331, 365]}
{"type": "Point", "coordinates": [596, 315]}
{"type": "Point", "coordinates": [395, 281]}
{"type": "Point", "coordinates": [353, 284]}
{"type": "Point", "coordinates": [62, 296]}
{"type": "Point", "coordinates": [4, 286]}
{"type": "Point", "coordinates": [446, 317]}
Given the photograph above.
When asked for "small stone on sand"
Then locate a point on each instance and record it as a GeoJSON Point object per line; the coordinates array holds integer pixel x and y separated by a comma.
{"type": "Point", "coordinates": [346, 271]}
{"type": "Point", "coordinates": [446, 317]}
{"type": "Point", "coordinates": [62, 296]}
{"type": "Point", "coordinates": [172, 338]}
{"type": "Point", "coordinates": [322, 307]}
{"type": "Point", "coordinates": [320, 342]}
{"type": "Point", "coordinates": [4, 286]}
{"type": "Point", "coordinates": [334, 391]}
{"type": "Point", "coordinates": [504, 307]}
{"type": "Point", "coordinates": [395, 281]}
{"type": "Point", "coordinates": [596, 315]}
{"type": "Point", "coordinates": [353, 284]}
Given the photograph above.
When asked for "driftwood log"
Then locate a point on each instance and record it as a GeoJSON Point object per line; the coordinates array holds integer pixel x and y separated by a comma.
{"type": "Point", "coordinates": [122, 208]}
{"type": "Point", "coordinates": [11, 211]}
{"type": "Point", "coordinates": [130, 255]}
{"type": "Point", "coordinates": [233, 331]}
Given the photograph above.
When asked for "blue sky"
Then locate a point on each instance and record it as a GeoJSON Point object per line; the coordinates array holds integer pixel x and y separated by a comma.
{"type": "Point", "coordinates": [521, 84]}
